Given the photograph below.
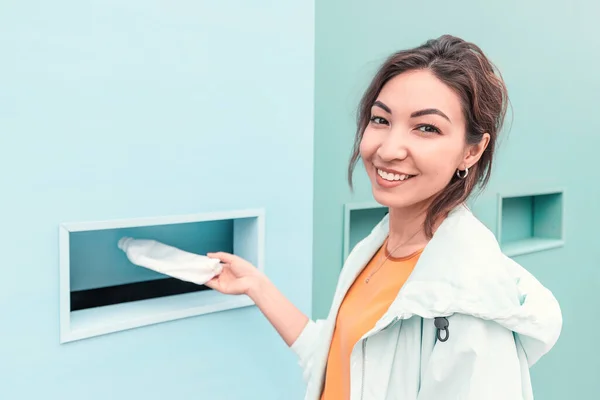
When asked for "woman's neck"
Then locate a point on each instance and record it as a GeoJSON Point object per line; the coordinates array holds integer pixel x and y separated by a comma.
{"type": "Point", "coordinates": [406, 233]}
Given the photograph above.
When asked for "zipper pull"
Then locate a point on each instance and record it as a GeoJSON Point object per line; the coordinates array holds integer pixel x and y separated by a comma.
{"type": "Point", "coordinates": [441, 323]}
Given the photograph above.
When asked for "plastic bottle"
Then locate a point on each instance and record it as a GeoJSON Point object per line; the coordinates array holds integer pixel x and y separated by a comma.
{"type": "Point", "coordinates": [170, 260]}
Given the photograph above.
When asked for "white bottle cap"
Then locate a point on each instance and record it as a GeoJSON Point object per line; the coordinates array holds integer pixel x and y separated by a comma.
{"type": "Point", "coordinates": [124, 243]}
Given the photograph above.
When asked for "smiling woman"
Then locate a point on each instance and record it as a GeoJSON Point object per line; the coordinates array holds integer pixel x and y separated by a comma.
{"type": "Point", "coordinates": [416, 131]}
{"type": "Point", "coordinates": [440, 107]}
{"type": "Point", "coordinates": [427, 305]}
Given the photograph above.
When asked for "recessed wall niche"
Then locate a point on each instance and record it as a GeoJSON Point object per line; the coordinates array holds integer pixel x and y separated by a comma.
{"type": "Point", "coordinates": [530, 222]}
{"type": "Point", "coordinates": [101, 291]}
{"type": "Point", "coordinates": [359, 220]}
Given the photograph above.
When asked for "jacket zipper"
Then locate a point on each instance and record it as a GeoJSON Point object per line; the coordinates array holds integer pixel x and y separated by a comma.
{"type": "Point", "coordinates": [364, 367]}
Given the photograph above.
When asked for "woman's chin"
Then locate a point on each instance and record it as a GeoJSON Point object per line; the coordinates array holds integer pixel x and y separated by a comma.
{"type": "Point", "coordinates": [391, 200]}
{"type": "Point", "coordinates": [401, 199]}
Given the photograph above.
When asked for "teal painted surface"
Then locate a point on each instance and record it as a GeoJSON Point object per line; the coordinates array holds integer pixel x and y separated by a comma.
{"type": "Point", "coordinates": [531, 223]}
{"type": "Point", "coordinates": [96, 261]}
{"type": "Point", "coordinates": [536, 216]}
{"type": "Point", "coordinates": [548, 215]}
{"type": "Point", "coordinates": [517, 218]}
{"type": "Point", "coordinates": [112, 110]}
{"type": "Point", "coordinates": [361, 222]}
{"type": "Point", "coordinates": [544, 50]}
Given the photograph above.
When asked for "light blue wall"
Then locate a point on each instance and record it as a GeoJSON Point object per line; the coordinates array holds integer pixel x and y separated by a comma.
{"type": "Point", "coordinates": [547, 52]}
{"type": "Point", "coordinates": [140, 109]}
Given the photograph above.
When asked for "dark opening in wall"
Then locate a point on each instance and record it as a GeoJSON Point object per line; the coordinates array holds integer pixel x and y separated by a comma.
{"type": "Point", "coordinates": [105, 296]}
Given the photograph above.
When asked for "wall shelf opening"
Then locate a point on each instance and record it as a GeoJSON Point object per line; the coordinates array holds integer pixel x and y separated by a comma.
{"type": "Point", "coordinates": [359, 220]}
{"type": "Point", "coordinates": [530, 223]}
{"type": "Point", "coordinates": [101, 291]}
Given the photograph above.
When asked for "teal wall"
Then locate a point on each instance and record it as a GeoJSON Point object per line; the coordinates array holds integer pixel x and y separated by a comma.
{"type": "Point", "coordinates": [547, 52]}
{"type": "Point", "coordinates": [115, 109]}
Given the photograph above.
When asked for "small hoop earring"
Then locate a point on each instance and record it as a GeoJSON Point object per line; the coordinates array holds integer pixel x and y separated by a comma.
{"type": "Point", "coordinates": [466, 171]}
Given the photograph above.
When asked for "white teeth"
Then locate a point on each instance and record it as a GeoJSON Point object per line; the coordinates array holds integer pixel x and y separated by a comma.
{"type": "Point", "coordinates": [392, 177]}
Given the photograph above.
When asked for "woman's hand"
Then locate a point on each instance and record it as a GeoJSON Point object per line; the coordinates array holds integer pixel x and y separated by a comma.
{"type": "Point", "coordinates": [241, 277]}
{"type": "Point", "coordinates": [238, 276]}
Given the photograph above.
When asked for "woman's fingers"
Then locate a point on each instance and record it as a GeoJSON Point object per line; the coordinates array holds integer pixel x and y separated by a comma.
{"type": "Point", "coordinates": [225, 258]}
{"type": "Point", "coordinates": [213, 283]}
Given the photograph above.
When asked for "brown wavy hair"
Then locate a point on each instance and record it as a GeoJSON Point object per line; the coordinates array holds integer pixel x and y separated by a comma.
{"type": "Point", "coordinates": [464, 68]}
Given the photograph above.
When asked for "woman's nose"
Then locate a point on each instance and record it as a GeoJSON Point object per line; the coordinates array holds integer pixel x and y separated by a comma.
{"type": "Point", "coordinates": [393, 147]}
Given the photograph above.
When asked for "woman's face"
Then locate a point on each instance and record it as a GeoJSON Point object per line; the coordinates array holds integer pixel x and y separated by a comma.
{"type": "Point", "coordinates": [415, 140]}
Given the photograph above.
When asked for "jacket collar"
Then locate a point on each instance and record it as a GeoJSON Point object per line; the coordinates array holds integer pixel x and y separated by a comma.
{"type": "Point", "coordinates": [463, 270]}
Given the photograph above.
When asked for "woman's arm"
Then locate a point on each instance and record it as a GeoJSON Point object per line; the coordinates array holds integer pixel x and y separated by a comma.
{"type": "Point", "coordinates": [296, 329]}
{"type": "Point", "coordinates": [239, 276]}
{"type": "Point", "coordinates": [286, 318]}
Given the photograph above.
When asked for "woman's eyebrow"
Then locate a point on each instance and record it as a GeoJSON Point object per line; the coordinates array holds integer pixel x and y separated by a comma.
{"type": "Point", "coordinates": [429, 111]}
{"type": "Point", "coordinates": [420, 113]}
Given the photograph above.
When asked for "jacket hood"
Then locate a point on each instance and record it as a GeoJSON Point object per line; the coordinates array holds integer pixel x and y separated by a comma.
{"type": "Point", "coordinates": [462, 270]}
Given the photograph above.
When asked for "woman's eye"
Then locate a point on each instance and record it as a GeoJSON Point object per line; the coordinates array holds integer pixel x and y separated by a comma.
{"type": "Point", "coordinates": [379, 120]}
{"type": "Point", "coordinates": [428, 129]}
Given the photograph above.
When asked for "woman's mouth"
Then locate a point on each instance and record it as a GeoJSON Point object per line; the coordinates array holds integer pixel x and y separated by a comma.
{"type": "Point", "coordinates": [390, 179]}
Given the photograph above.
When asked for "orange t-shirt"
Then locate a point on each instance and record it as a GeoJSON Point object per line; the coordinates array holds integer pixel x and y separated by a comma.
{"type": "Point", "coordinates": [363, 306]}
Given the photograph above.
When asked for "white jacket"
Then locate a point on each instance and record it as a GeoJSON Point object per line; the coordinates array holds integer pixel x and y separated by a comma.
{"type": "Point", "coordinates": [500, 319]}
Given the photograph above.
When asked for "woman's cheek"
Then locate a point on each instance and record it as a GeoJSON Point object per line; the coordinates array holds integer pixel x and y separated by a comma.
{"type": "Point", "coordinates": [367, 145]}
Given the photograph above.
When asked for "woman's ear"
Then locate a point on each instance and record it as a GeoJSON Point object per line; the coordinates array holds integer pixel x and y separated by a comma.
{"type": "Point", "coordinates": [475, 151]}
